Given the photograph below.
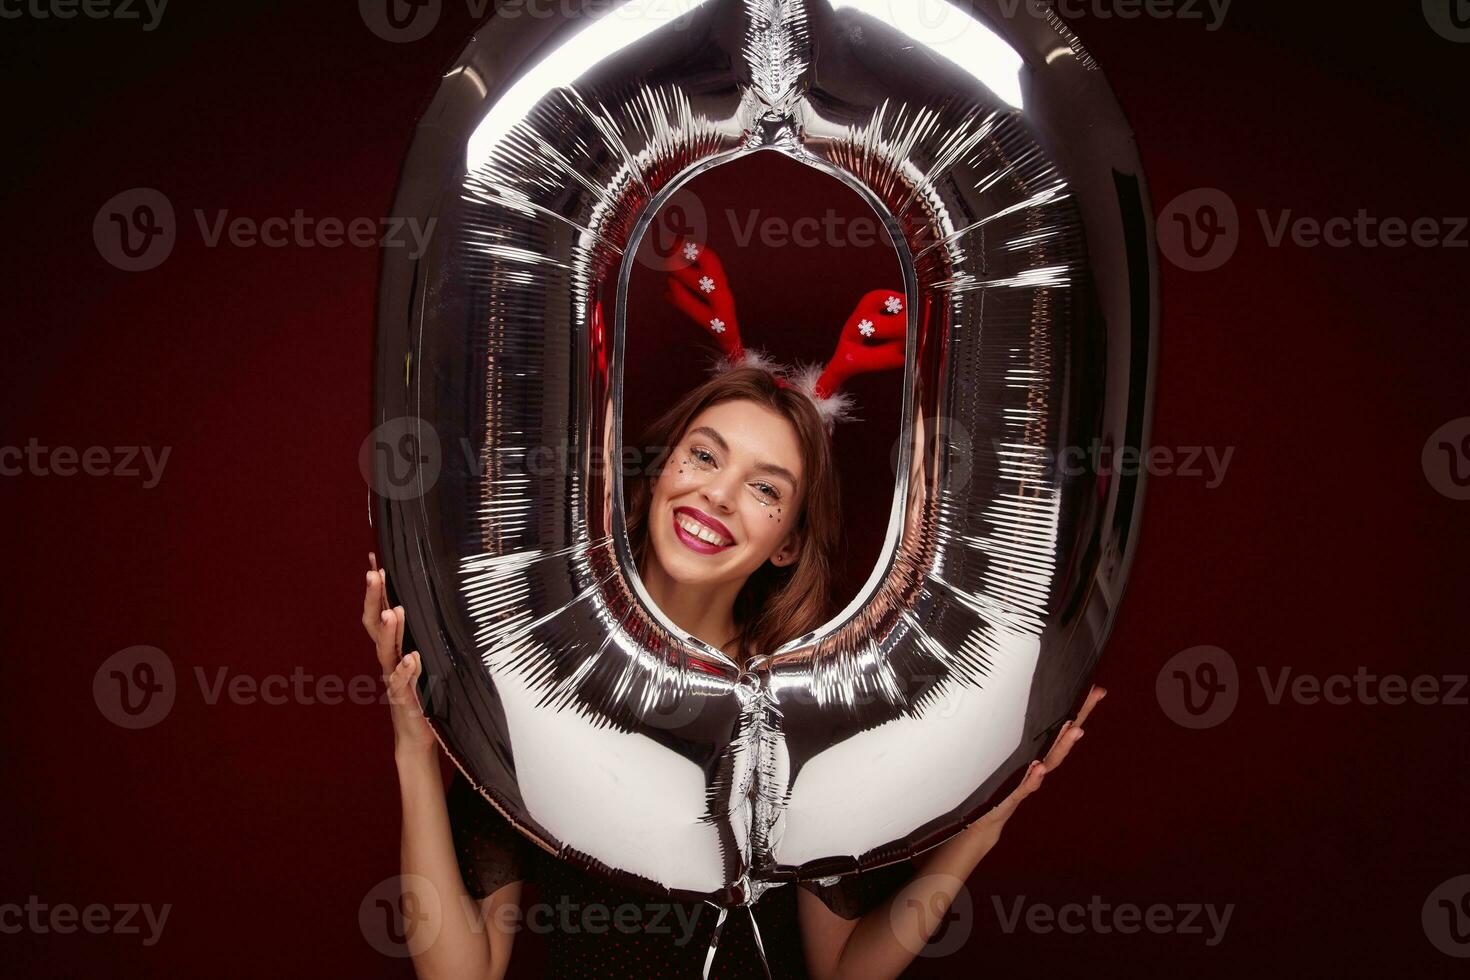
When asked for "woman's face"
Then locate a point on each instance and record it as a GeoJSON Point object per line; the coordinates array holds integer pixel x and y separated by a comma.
{"type": "Point", "coordinates": [728, 497]}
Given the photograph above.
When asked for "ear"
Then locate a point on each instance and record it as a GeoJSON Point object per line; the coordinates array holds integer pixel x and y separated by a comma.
{"type": "Point", "coordinates": [787, 551]}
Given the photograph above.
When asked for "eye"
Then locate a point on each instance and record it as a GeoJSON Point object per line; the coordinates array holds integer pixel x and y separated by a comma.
{"type": "Point", "coordinates": [702, 456]}
{"type": "Point", "coordinates": [767, 491]}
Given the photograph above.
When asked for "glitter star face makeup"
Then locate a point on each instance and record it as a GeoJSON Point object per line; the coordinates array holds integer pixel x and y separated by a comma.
{"type": "Point", "coordinates": [726, 500]}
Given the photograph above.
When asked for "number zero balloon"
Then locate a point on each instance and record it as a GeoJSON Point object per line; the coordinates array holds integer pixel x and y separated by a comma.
{"type": "Point", "coordinates": [993, 150]}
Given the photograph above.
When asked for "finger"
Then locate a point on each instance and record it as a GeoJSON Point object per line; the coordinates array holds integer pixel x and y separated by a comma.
{"type": "Point", "coordinates": [387, 643]}
{"type": "Point", "coordinates": [1061, 736]}
{"type": "Point", "coordinates": [1093, 697]}
{"type": "Point", "coordinates": [1063, 745]}
{"type": "Point", "coordinates": [1030, 783]}
{"type": "Point", "coordinates": [401, 691]}
{"type": "Point", "coordinates": [370, 605]}
{"type": "Point", "coordinates": [400, 619]}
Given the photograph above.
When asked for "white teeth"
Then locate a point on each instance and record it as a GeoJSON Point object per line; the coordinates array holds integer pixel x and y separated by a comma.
{"type": "Point", "coordinates": [699, 530]}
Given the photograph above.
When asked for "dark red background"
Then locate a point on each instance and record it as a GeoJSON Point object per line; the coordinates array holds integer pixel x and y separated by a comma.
{"type": "Point", "coordinates": [1325, 547]}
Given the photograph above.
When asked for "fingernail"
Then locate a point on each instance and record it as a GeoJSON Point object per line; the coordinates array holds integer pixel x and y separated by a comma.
{"type": "Point", "coordinates": [386, 616]}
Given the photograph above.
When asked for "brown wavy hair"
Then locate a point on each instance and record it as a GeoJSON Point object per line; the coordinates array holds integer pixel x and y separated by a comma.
{"type": "Point", "coordinates": [775, 605]}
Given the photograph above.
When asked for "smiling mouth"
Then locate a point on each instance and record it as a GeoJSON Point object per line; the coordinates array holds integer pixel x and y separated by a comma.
{"type": "Point", "coordinates": [698, 537]}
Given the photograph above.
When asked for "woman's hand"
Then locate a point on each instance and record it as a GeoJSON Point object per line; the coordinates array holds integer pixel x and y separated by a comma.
{"type": "Point", "coordinates": [984, 832]}
{"type": "Point", "coordinates": [411, 731]}
{"type": "Point", "coordinates": [884, 942]}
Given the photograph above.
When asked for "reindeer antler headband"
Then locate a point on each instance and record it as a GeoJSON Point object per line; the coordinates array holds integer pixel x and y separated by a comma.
{"type": "Point", "coordinates": [871, 339]}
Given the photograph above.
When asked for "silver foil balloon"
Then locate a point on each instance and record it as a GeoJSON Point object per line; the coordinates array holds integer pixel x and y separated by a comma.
{"type": "Point", "coordinates": [992, 147]}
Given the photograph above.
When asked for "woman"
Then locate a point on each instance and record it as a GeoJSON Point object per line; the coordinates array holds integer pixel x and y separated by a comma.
{"type": "Point", "coordinates": [734, 537]}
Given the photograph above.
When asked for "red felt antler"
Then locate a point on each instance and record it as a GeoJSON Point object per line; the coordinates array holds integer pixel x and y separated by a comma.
{"type": "Point", "coordinates": [871, 339]}
{"type": "Point", "coordinates": [702, 292]}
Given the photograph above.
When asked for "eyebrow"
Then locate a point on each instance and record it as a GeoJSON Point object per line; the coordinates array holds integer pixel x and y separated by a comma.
{"type": "Point", "coordinates": [771, 468]}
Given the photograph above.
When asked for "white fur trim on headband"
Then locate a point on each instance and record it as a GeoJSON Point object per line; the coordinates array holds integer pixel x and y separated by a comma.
{"type": "Point", "coordinates": [834, 409]}
{"type": "Point", "coordinates": [751, 358]}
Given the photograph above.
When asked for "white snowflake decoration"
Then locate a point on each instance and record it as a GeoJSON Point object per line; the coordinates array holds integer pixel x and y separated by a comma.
{"type": "Point", "coordinates": [893, 304]}
{"type": "Point", "coordinates": [717, 325]}
{"type": "Point", "coordinates": [707, 284]}
{"type": "Point", "coordinates": [866, 328]}
{"type": "Point", "coordinates": [691, 250]}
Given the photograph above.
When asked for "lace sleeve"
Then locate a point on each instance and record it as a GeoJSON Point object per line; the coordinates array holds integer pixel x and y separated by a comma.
{"type": "Point", "coordinates": [854, 896]}
{"type": "Point", "coordinates": [491, 852]}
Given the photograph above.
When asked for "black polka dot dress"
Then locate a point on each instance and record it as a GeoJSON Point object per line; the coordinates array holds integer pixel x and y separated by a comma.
{"type": "Point", "coordinates": [587, 926]}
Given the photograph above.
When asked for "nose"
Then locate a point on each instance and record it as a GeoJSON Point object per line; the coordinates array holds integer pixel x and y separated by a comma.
{"type": "Point", "coordinates": [719, 491]}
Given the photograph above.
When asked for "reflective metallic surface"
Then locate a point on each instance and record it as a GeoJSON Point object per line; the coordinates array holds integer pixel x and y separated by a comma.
{"type": "Point", "coordinates": [993, 148]}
